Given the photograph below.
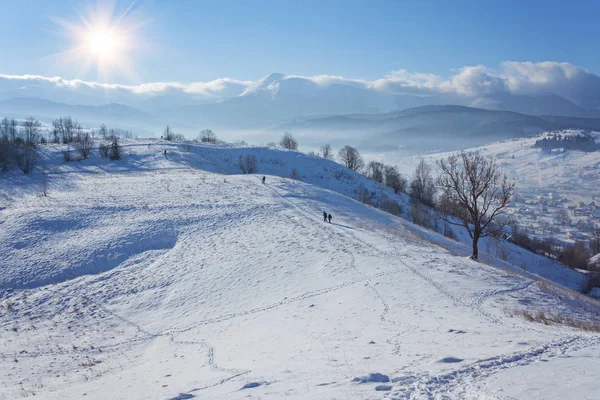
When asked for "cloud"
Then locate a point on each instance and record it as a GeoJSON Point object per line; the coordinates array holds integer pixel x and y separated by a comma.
{"type": "Point", "coordinates": [567, 80]}
{"type": "Point", "coordinates": [84, 92]}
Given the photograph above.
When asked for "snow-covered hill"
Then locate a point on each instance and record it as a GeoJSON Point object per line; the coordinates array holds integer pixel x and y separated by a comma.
{"type": "Point", "coordinates": [546, 183]}
{"type": "Point", "coordinates": [175, 279]}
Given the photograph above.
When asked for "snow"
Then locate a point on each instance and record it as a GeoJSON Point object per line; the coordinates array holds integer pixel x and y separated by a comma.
{"type": "Point", "coordinates": [172, 278]}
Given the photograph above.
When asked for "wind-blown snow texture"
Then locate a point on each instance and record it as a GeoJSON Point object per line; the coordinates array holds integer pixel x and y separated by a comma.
{"type": "Point", "coordinates": [175, 281]}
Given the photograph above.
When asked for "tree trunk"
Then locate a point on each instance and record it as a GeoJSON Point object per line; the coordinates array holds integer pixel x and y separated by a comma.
{"type": "Point", "coordinates": [475, 254]}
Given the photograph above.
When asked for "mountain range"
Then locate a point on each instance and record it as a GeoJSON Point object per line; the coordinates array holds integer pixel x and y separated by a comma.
{"type": "Point", "coordinates": [302, 105]}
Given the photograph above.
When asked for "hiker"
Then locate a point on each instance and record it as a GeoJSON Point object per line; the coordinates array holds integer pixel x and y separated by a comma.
{"type": "Point", "coordinates": [165, 153]}
{"type": "Point", "coordinates": [263, 179]}
{"type": "Point", "coordinates": [329, 217]}
{"type": "Point", "coordinates": [324, 216]}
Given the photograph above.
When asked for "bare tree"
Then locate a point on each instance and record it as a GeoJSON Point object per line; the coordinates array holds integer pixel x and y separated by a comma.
{"type": "Point", "coordinates": [5, 153]}
{"type": "Point", "coordinates": [375, 171]}
{"type": "Point", "coordinates": [351, 158]}
{"type": "Point", "coordinates": [13, 130]}
{"type": "Point", "coordinates": [475, 194]}
{"type": "Point", "coordinates": [27, 158]}
{"type": "Point", "coordinates": [422, 186]}
{"type": "Point", "coordinates": [5, 129]}
{"type": "Point", "coordinates": [394, 179]}
{"type": "Point", "coordinates": [103, 131]}
{"type": "Point", "coordinates": [288, 142]}
{"type": "Point", "coordinates": [84, 144]}
{"type": "Point", "coordinates": [326, 152]}
{"type": "Point", "coordinates": [207, 136]}
{"type": "Point", "coordinates": [168, 134]}
{"type": "Point", "coordinates": [31, 131]}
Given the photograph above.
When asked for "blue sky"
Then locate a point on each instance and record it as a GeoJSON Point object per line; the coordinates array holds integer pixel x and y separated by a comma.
{"type": "Point", "coordinates": [189, 41]}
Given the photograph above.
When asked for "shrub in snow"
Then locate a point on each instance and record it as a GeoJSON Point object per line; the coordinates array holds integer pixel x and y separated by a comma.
{"type": "Point", "coordinates": [294, 175]}
{"type": "Point", "coordinates": [84, 143]}
{"type": "Point", "coordinates": [248, 164]}
{"type": "Point", "coordinates": [103, 150]}
{"type": "Point", "coordinates": [420, 215]}
{"type": "Point", "coordinates": [391, 206]}
{"type": "Point", "coordinates": [27, 158]}
{"type": "Point", "coordinates": [364, 195]}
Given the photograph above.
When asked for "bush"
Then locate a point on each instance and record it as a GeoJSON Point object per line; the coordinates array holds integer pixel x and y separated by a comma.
{"type": "Point", "coordinates": [83, 144]}
{"type": "Point", "coordinates": [294, 175]}
{"type": "Point", "coordinates": [248, 164]}
{"type": "Point", "coordinates": [390, 206]}
{"type": "Point", "coordinates": [103, 150]}
{"type": "Point", "coordinates": [67, 155]}
{"type": "Point", "coordinates": [27, 159]}
{"type": "Point", "coordinates": [364, 195]}
{"type": "Point", "coordinates": [575, 255]}
{"type": "Point", "coordinates": [420, 215]}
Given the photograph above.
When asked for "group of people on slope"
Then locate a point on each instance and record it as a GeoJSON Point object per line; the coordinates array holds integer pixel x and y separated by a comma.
{"type": "Point", "coordinates": [326, 217]}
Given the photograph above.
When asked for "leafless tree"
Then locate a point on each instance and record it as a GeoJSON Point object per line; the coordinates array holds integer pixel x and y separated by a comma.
{"type": "Point", "coordinates": [208, 136]}
{"type": "Point", "coordinates": [27, 158]}
{"type": "Point", "coordinates": [31, 131]}
{"type": "Point", "coordinates": [394, 179]}
{"type": "Point", "coordinates": [288, 142]}
{"type": "Point", "coordinates": [168, 134]}
{"type": "Point", "coordinates": [375, 171]}
{"type": "Point", "coordinates": [103, 131]}
{"type": "Point", "coordinates": [5, 129]}
{"type": "Point", "coordinates": [13, 130]}
{"type": "Point", "coordinates": [326, 152]}
{"type": "Point", "coordinates": [351, 158]}
{"type": "Point", "coordinates": [422, 186]}
{"type": "Point", "coordinates": [5, 153]}
{"type": "Point", "coordinates": [475, 194]}
{"type": "Point", "coordinates": [84, 144]}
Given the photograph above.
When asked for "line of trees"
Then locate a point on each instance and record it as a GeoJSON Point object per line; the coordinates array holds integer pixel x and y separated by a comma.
{"type": "Point", "coordinates": [19, 141]}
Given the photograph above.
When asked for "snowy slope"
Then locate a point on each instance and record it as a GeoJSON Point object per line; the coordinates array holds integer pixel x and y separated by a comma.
{"type": "Point", "coordinates": [176, 281]}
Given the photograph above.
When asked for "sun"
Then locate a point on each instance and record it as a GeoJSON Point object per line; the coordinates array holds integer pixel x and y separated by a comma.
{"type": "Point", "coordinates": [102, 43]}
{"type": "Point", "coordinates": [104, 39]}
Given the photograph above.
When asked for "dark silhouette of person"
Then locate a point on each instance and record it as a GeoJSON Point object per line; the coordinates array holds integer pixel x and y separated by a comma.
{"type": "Point", "coordinates": [329, 218]}
{"type": "Point", "coordinates": [165, 153]}
{"type": "Point", "coordinates": [264, 178]}
{"type": "Point", "coordinates": [324, 216]}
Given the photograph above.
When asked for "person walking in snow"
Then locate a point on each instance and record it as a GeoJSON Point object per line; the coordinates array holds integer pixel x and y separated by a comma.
{"type": "Point", "coordinates": [165, 153]}
{"type": "Point", "coordinates": [324, 216]}
{"type": "Point", "coordinates": [263, 179]}
{"type": "Point", "coordinates": [329, 218]}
